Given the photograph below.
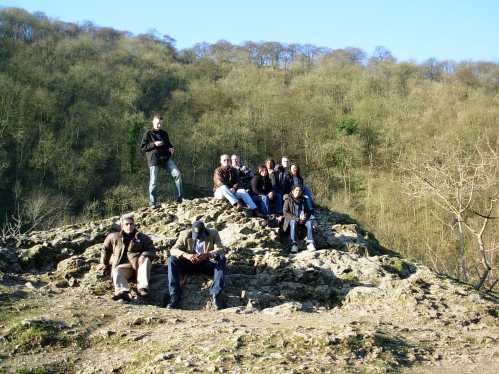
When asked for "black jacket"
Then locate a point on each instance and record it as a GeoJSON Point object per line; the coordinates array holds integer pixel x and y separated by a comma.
{"type": "Point", "coordinates": [261, 185]}
{"type": "Point", "coordinates": [283, 180]}
{"type": "Point", "coordinates": [156, 155]}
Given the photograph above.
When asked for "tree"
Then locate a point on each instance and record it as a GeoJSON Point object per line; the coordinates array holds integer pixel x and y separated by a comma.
{"type": "Point", "coordinates": [462, 182]}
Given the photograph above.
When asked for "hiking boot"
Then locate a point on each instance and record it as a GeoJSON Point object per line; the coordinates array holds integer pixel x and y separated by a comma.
{"type": "Point", "coordinates": [179, 200]}
{"type": "Point", "coordinates": [124, 295]}
{"type": "Point", "coordinates": [294, 248]}
{"type": "Point", "coordinates": [143, 292]}
{"type": "Point", "coordinates": [217, 302]}
{"type": "Point", "coordinates": [311, 246]}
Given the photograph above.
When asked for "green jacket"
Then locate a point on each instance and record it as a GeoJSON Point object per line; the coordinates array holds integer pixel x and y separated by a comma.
{"type": "Point", "coordinates": [185, 244]}
{"type": "Point", "coordinates": [113, 248]}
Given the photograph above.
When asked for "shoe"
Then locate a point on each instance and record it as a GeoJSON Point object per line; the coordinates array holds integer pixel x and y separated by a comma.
{"type": "Point", "coordinates": [311, 246]}
{"type": "Point", "coordinates": [217, 302]}
{"type": "Point", "coordinates": [124, 295]}
{"type": "Point", "coordinates": [143, 292]}
{"type": "Point", "coordinates": [179, 200]}
{"type": "Point", "coordinates": [294, 248]}
{"type": "Point", "coordinates": [173, 304]}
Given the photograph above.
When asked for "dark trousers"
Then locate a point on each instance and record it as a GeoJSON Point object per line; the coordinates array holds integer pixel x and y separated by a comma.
{"type": "Point", "coordinates": [215, 268]}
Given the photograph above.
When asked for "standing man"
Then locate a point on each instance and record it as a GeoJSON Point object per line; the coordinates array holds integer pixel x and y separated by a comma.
{"type": "Point", "coordinates": [226, 185]}
{"type": "Point", "coordinates": [128, 253]}
{"type": "Point", "coordinates": [159, 151]}
{"type": "Point", "coordinates": [198, 250]}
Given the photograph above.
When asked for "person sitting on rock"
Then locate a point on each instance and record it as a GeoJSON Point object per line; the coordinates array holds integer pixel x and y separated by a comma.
{"type": "Point", "coordinates": [277, 201]}
{"type": "Point", "coordinates": [129, 253]}
{"type": "Point", "coordinates": [245, 173]}
{"type": "Point", "coordinates": [297, 179]}
{"type": "Point", "coordinates": [198, 250]}
{"type": "Point", "coordinates": [226, 185]}
{"type": "Point", "coordinates": [263, 192]}
{"type": "Point", "coordinates": [297, 213]}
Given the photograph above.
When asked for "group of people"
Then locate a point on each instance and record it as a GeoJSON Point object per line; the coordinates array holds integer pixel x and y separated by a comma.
{"type": "Point", "coordinates": [277, 190]}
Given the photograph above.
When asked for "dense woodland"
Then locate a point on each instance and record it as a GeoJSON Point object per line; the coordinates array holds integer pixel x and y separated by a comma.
{"type": "Point", "coordinates": [409, 150]}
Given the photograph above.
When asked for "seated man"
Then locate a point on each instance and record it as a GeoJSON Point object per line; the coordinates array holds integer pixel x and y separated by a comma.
{"type": "Point", "coordinates": [129, 252]}
{"type": "Point", "coordinates": [263, 191]}
{"type": "Point", "coordinates": [226, 185]}
{"type": "Point", "coordinates": [297, 212]}
{"type": "Point", "coordinates": [245, 173]}
{"type": "Point", "coordinates": [199, 250]}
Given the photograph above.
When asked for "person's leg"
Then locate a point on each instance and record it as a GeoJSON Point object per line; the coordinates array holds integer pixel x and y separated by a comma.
{"type": "Point", "coordinates": [308, 193]}
{"type": "Point", "coordinates": [177, 177]}
{"type": "Point", "coordinates": [262, 203]}
{"type": "Point", "coordinates": [310, 231]}
{"type": "Point", "coordinates": [143, 272]}
{"type": "Point", "coordinates": [175, 266]}
{"type": "Point", "coordinates": [292, 231]}
{"type": "Point", "coordinates": [153, 180]}
{"type": "Point", "coordinates": [223, 192]}
{"type": "Point", "coordinates": [277, 202]}
{"type": "Point", "coordinates": [215, 268]}
{"type": "Point", "coordinates": [121, 274]}
{"type": "Point", "coordinates": [243, 195]}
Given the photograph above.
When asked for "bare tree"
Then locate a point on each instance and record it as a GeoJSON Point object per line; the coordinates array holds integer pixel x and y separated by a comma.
{"type": "Point", "coordinates": [462, 182]}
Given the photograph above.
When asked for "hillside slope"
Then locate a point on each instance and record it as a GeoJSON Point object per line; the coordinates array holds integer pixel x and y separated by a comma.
{"type": "Point", "coordinates": [349, 306]}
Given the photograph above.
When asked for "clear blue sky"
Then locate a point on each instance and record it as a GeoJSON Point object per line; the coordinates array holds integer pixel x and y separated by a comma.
{"type": "Point", "coordinates": [410, 29]}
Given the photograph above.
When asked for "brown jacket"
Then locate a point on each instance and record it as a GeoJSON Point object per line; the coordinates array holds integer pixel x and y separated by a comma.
{"type": "Point", "coordinates": [113, 249]}
{"type": "Point", "coordinates": [225, 175]}
{"type": "Point", "coordinates": [185, 244]}
{"type": "Point", "coordinates": [292, 209]}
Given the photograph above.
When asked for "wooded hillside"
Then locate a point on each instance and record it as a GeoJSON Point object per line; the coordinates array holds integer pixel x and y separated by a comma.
{"type": "Point", "coordinates": [408, 149]}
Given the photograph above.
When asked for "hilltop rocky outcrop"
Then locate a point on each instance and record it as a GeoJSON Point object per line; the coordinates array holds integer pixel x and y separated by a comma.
{"type": "Point", "coordinates": [349, 305]}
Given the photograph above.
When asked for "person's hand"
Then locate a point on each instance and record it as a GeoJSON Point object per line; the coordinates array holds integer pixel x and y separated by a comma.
{"type": "Point", "coordinates": [102, 269]}
{"type": "Point", "coordinates": [190, 257]}
{"type": "Point", "coordinates": [271, 195]}
{"type": "Point", "coordinates": [301, 221]}
{"type": "Point", "coordinates": [172, 150]}
{"type": "Point", "coordinates": [158, 143]}
{"type": "Point", "coordinates": [203, 257]}
{"type": "Point", "coordinates": [233, 189]}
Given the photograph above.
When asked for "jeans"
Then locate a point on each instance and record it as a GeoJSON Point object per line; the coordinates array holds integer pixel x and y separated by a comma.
{"type": "Point", "coordinates": [277, 203]}
{"type": "Point", "coordinates": [308, 194]}
{"type": "Point", "coordinates": [263, 203]}
{"type": "Point", "coordinates": [293, 227]}
{"type": "Point", "coordinates": [224, 192]}
{"type": "Point", "coordinates": [153, 181]}
{"type": "Point", "coordinates": [215, 268]}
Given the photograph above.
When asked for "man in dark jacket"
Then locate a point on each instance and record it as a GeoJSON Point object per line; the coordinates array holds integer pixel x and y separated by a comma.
{"type": "Point", "coordinates": [198, 250]}
{"type": "Point", "coordinates": [128, 253]}
{"type": "Point", "coordinates": [297, 212]}
{"type": "Point", "coordinates": [159, 151]}
{"type": "Point", "coordinates": [263, 191]}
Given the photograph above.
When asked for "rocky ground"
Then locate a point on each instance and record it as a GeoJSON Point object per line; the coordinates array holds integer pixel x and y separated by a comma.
{"type": "Point", "coordinates": [350, 306]}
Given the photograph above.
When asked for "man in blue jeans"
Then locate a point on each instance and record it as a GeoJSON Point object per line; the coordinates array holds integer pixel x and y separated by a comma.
{"type": "Point", "coordinates": [297, 212]}
{"type": "Point", "coordinates": [198, 250]}
{"type": "Point", "coordinates": [159, 151]}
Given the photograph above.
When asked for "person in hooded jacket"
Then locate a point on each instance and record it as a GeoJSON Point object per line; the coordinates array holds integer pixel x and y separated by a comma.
{"type": "Point", "coordinates": [297, 213]}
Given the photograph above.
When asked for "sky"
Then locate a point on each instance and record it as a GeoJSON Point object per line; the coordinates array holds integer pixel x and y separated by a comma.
{"type": "Point", "coordinates": [411, 29]}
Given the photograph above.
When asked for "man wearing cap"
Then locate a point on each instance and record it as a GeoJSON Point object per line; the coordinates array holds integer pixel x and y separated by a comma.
{"type": "Point", "coordinates": [197, 250]}
{"type": "Point", "coordinates": [128, 253]}
{"type": "Point", "coordinates": [159, 151]}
